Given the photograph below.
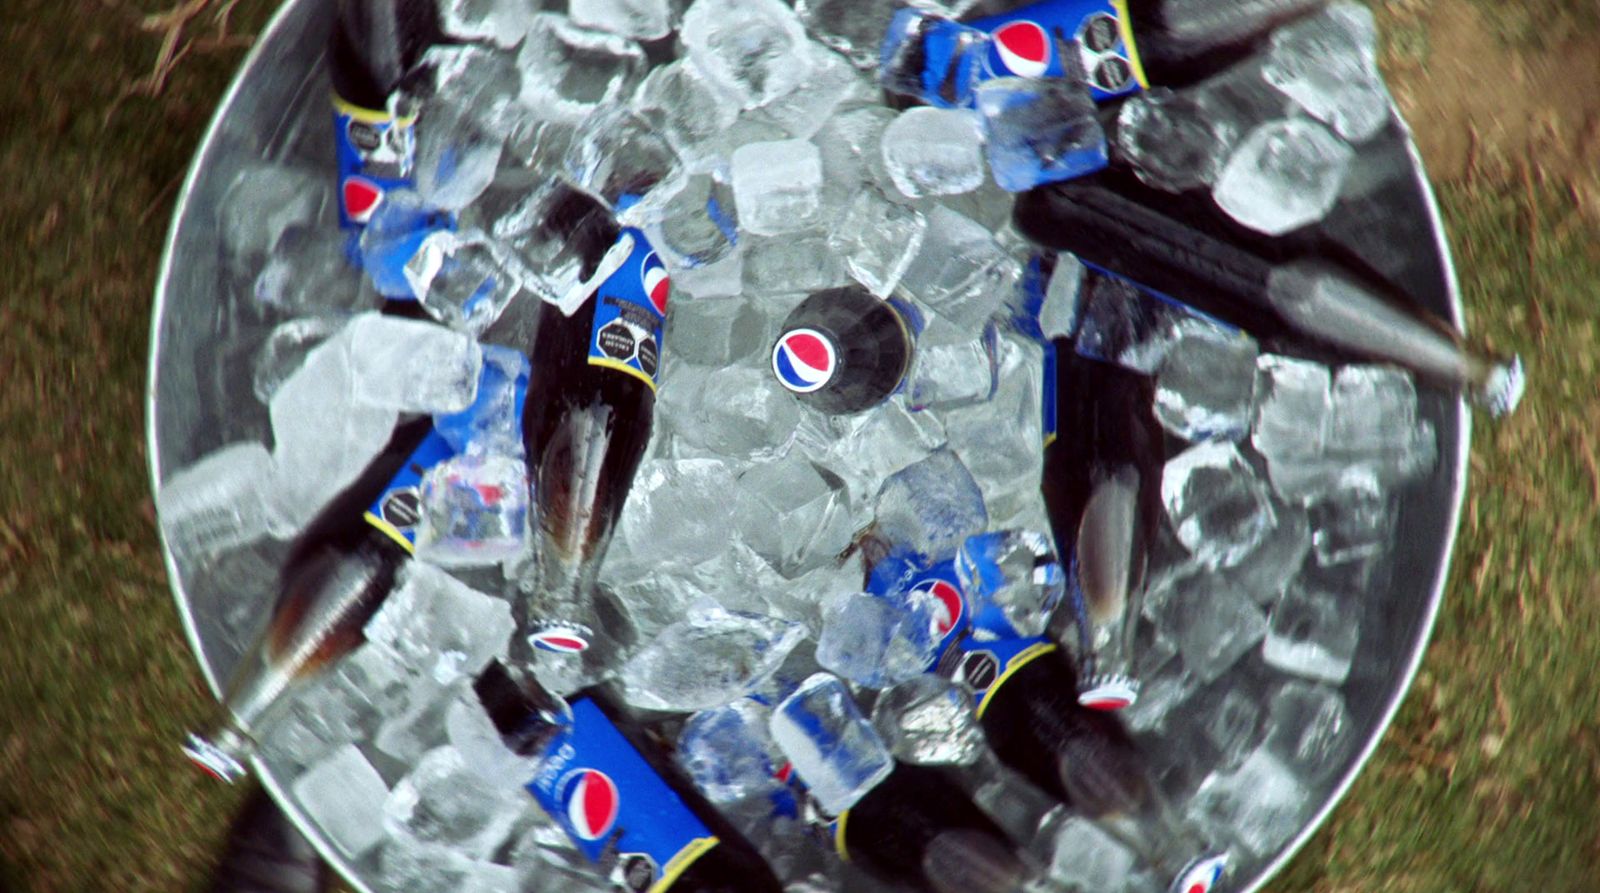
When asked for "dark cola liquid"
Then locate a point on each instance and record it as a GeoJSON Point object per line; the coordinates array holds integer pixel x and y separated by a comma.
{"type": "Point", "coordinates": [375, 43]}
{"type": "Point", "coordinates": [918, 826]}
{"type": "Point", "coordinates": [585, 426]}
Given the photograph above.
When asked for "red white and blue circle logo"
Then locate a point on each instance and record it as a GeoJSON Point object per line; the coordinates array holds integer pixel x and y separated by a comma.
{"type": "Point", "coordinates": [560, 639]}
{"type": "Point", "coordinates": [657, 284]}
{"type": "Point", "coordinates": [591, 802]}
{"type": "Point", "coordinates": [804, 360]}
{"type": "Point", "coordinates": [947, 603]}
{"type": "Point", "coordinates": [361, 197]}
{"type": "Point", "coordinates": [1021, 49]}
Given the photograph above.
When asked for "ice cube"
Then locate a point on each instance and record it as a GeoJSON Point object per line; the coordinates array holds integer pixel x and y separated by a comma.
{"type": "Point", "coordinates": [321, 716]}
{"type": "Point", "coordinates": [684, 106]}
{"type": "Point", "coordinates": [619, 155]}
{"type": "Point", "coordinates": [412, 366]}
{"type": "Point", "coordinates": [905, 58]}
{"type": "Point", "coordinates": [878, 240]}
{"type": "Point", "coordinates": [961, 273]}
{"type": "Point", "coordinates": [717, 334]}
{"type": "Point", "coordinates": [1212, 623]}
{"type": "Point", "coordinates": [411, 730]}
{"type": "Point", "coordinates": [440, 624]}
{"type": "Point", "coordinates": [1204, 387]}
{"type": "Point", "coordinates": [930, 151]}
{"type": "Point", "coordinates": [931, 506]}
{"type": "Point", "coordinates": [831, 83]}
{"type": "Point", "coordinates": [790, 515]}
{"type": "Point", "coordinates": [1328, 63]}
{"type": "Point", "coordinates": [865, 448]}
{"type": "Point", "coordinates": [443, 801]}
{"type": "Point", "coordinates": [1015, 574]}
{"type": "Point", "coordinates": [216, 504]}
{"type": "Point", "coordinates": [854, 28]}
{"type": "Point", "coordinates": [1058, 308]}
{"type": "Point", "coordinates": [733, 654]}
{"type": "Point", "coordinates": [790, 264]}
{"type": "Point", "coordinates": [1277, 559]}
{"type": "Point", "coordinates": [391, 241]}
{"type": "Point", "coordinates": [1283, 175]}
{"type": "Point", "coordinates": [310, 273]}
{"type": "Point", "coordinates": [473, 734]}
{"type": "Point", "coordinates": [501, 22]}
{"type": "Point", "coordinates": [410, 866]}
{"type": "Point", "coordinates": [1218, 507]}
{"type": "Point", "coordinates": [929, 721]}
{"type": "Point", "coordinates": [642, 19]}
{"type": "Point", "coordinates": [464, 280]}
{"type": "Point", "coordinates": [852, 160]}
{"type": "Point", "coordinates": [1231, 720]}
{"type": "Point", "coordinates": [729, 752]}
{"type": "Point", "coordinates": [777, 185]}
{"type": "Point", "coordinates": [493, 423]}
{"type": "Point", "coordinates": [1170, 141]}
{"type": "Point", "coordinates": [1087, 858]}
{"type": "Point", "coordinates": [832, 746]}
{"type": "Point", "coordinates": [1356, 524]}
{"type": "Point", "coordinates": [1313, 634]}
{"type": "Point", "coordinates": [876, 641]}
{"type": "Point", "coordinates": [1040, 130]}
{"type": "Point", "coordinates": [1374, 425]}
{"type": "Point", "coordinates": [322, 436]}
{"type": "Point", "coordinates": [547, 862]}
{"type": "Point", "coordinates": [459, 149]}
{"type": "Point", "coordinates": [1118, 322]}
{"type": "Point", "coordinates": [697, 238]}
{"type": "Point", "coordinates": [999, 441]}
{"type": "Point", "coordinates": [1292, 411]}
{"type": "Point", "coordinates": [1260, 805]}
{"type": "Point", "coordinates": [952, 369]}
{"type": "Point", "coordinates": [474, 510]}
{"type": "Point", "coordinates": [677, 514]}
{"type": "Point", "coordinates": [1309, 729]}
{"type": "Point", "coordinates": [755, 50]}
{"type": "Point", "coordinates": [569, 71]}
{"type": "Point", "coordinates": [344, 795]}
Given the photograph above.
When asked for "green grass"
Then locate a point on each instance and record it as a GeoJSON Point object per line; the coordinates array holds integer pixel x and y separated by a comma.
{"type": "Point", "coordinates": [1489, 779]}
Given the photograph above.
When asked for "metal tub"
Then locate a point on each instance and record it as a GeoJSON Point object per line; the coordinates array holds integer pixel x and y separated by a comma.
{"type": "Point", "coordinates": [205, 331]}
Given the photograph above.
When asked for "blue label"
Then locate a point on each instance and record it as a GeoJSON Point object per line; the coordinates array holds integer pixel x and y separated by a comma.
{"type": "Point", "coordinates": [615, 807]}
{"type": "Point", "coordinates": [1038, 40]}
{"type": "Point", "coordinates": [630, 310]}
{"type": "Point", "coordinates": [1165, 298]}
{"type": "Point", "coordinates": [1048, 410]}
{"type": "Point", "coordinates": [398, 508]}
{"type": "Point", "coordinates": [983, 667]}
{"type": "Point", "coordinates": [376, 153]}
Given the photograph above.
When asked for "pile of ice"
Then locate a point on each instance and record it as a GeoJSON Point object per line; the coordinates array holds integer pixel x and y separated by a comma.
{"type": "Point", "coordinates": [773, 170]}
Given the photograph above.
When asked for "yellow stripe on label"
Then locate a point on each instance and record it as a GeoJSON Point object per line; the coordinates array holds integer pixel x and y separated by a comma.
{"type": "Point", "coordinates": [1023, 658]}
{"type": "Point", "coordinates": [1049, 439]}
{"type": "Point", "coordinates": [680, 862]}
{"type": "Point", "coordinates": [623, 367]}
{"type": "Point", "coordinates": [838, 836]}
{"type": "Point", "coordinates": [1126, 27]}
{"type": "Point", "coordinates": [369, 116]}
{"type": "Point", "coordinates": [391, 531]}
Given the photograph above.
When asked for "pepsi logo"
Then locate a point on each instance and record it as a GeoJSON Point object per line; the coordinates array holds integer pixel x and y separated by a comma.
{"type": "Point", "coordinates": [591, 801]}
{"type": "Point", "coordinates": [1022, 49]}
{"type": "Point", "coordinates": [1202, 875]}
{"type": "Point", "coordinates": [653, 276]}
{"type": "Point", "coordinates": [361, 197]}
{"type": "Point", "coordinates": [804, 360]}
{"type": "Point", "coordinates": [559, 640]}
{"type": "Point", "coordinates": [948, 604]}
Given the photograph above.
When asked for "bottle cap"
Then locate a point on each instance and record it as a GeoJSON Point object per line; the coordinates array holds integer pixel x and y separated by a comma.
{"type": "Point", "coordinates": [804, 360]}
{"type": "Point", "coordinates": [1111, 692]}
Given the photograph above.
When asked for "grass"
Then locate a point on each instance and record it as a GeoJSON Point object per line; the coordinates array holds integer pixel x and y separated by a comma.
{"type": "Point", "coordinates": [1488, 780]}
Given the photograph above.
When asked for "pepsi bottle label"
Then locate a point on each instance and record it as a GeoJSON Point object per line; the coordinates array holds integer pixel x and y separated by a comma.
{"type": "Point", "coordinates": [398, 508]}
{"type": "Point", "coordinates": [377, 152]}
{"type": "Point", "coordinates": [983, 667]}
{"type": "Point", "coordinates": [1052, 38]}
{"type": "Point", "coordinates": [618, 812]}
{"type": "Point", "coordinates": [630, 309]}
{"type": "Point", "coordinates": [1047, 397]}
{"type": "Point", "coordinates": [1167, 299]}
{"type": "Point", "coordinates": [902, 571]}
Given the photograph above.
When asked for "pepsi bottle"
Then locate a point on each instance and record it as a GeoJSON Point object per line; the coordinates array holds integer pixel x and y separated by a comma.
{"type": "Point", "coordinates": [625, 807]}
{"type": "Point", "coordinates": [843, 350]}
{"type": "Point", "coordinates": [375, 43]}
{"type": "Point", "coordinates": [595, 358]}
{"type": "Point", "coordinates": [338, 573]}
{"type": "Point", "coordinates": [1118, 47]}
{"type": "Point", "coordinates": [1102, 492]}
{"type": "Point", "coordinates": [919, 827]}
